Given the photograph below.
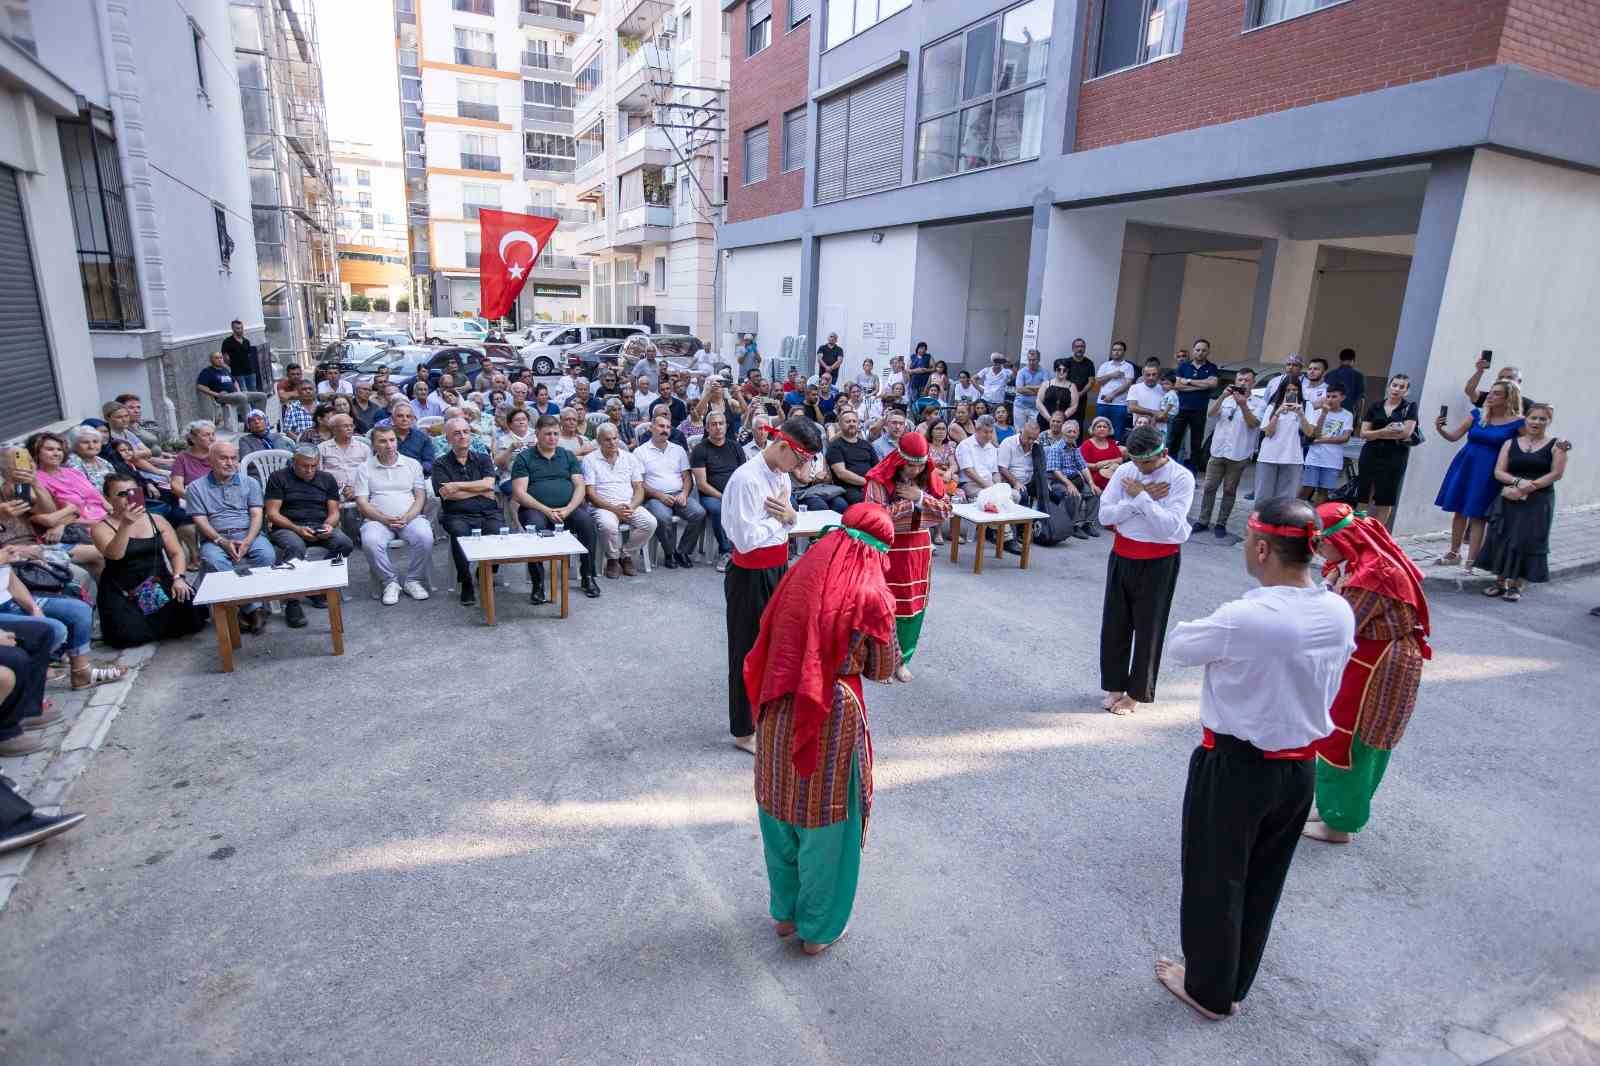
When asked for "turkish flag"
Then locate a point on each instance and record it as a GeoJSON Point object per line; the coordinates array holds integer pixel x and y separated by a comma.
{"type": "Point", "coordinates": [510, 245]}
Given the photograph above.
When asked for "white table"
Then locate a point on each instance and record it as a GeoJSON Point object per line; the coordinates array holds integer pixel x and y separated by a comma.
{"type": "Point", "coordinates": [224, 591]}
{"type": "Point", "coordinates": [487, 551]}
{"type": "Point", "coordinates": [810, 523]}
{"type": "Point", "coordinates": [1010, 515]}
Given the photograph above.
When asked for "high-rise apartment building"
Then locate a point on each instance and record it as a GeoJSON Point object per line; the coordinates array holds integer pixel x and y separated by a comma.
{"type": "Point", "coordinates": [370, 199]}
{"type": "Point", "coordinates": [486, 110]}
{"type": "Point", "coordinates": [1412, 180]}
{"type": "Point", "coordinates": [651, 151]}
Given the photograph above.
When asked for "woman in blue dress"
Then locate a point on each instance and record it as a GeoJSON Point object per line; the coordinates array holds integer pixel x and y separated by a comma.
{"type": "Point", "coordinates": [1470, 488]}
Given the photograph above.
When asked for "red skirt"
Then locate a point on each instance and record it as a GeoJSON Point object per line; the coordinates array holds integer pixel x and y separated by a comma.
{"type": "Point", "coordinates": [910, 561]}
{"type": "Point", "coordinates": [1375, 699]}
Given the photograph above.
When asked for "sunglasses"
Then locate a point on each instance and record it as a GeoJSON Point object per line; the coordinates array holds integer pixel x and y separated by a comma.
{"type": "Point", "coordinates": [127, 494]}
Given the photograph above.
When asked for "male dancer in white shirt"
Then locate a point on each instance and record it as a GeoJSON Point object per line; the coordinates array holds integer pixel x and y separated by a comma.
{"type": "Point", "coordinates": [1274, 660]}
{"type": "Point", "coordinates": [757, 517]}
{"type": "Point", "coordinates": [1146, 502]}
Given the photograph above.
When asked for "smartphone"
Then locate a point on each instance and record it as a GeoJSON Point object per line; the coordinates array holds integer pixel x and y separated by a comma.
{"type": "Point", "coordinates": [1444, 410]}
{"type": "Point", "coordinates": [1487, 355]}
{"type": "Point", "coordinates": [241, 569]}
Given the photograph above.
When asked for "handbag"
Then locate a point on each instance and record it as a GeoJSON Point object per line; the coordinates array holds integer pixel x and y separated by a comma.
{"type": "Point", "coordinates": [149, 596]}
{"type": "Point", "coordinates": [44, 577]}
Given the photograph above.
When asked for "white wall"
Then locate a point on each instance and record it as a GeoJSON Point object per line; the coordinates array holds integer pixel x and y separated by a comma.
{"type": "Point", "coordinates": [753, 281]}
{"type": "Point", "coordinates": [858, 282]}
{"type": "Point", "coordinates": [1520, 282]}
{"type": "Point", "coordinates": [970, 284]}
{"type": "Point", "coordinates": [1218, 299]}
{"type": "Point", "coordinates": [1082, 267]}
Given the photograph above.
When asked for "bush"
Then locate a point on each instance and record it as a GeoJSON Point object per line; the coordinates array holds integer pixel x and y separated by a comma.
{"type": "Point", "coordinates": [402, 305]}
{"type": "Point", "coordinates": [358, 302]}
{"type": "Point", "coordinates": [381, 303]}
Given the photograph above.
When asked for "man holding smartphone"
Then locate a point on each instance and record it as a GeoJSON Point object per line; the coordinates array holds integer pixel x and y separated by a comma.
{"type": "Point", "coordinates": [302, 504]}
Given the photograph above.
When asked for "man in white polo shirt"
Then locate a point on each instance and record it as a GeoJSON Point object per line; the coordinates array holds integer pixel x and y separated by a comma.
{"type": "Point", "coordinates": [994, 379]}
{"type": "Point", "coordinates": [390, 495]}
{"type": "Point", "coordinates": [615, 483]}
{"type": "Point", "coordinates": [668, 491]}
{"type": "Point", "coordinates": [978, 459]}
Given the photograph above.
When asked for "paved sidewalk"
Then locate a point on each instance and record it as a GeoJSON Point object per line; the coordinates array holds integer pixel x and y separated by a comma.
{"type": "Point", "coordinates": [1574, 549]}
{"type": "Point", "coordinates": [1557, 1032]}
{"type": "Point", "coordinates": [46, 777]}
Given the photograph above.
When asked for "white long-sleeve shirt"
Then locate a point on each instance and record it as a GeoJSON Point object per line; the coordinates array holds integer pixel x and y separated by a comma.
{"type": "Point", "coordinates": [744, 512]}
{"type": "Point", "coordinates": [1141, 517]}
{"type": "Point", "coordinates": [1274, 659]}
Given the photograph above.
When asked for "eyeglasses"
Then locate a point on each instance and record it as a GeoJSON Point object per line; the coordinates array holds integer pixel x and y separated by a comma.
{"type": "Point", "coordinates": [127, 494]}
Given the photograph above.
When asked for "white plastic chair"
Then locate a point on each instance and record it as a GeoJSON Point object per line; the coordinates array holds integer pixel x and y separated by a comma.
{"type": "Point", "coordinates": [263, 464]}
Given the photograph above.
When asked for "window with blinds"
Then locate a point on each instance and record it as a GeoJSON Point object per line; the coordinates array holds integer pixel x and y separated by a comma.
{"type": "Point", "coordinates": [755, 154]}
{"type": "Point", "coordinates": [794, 140]}
{"type": "Point", "coordinates": [758, 19]}
{"type": "Point", "coordinates": [800, 10]}
{"type": "Point", "coordinates": [860, 139]}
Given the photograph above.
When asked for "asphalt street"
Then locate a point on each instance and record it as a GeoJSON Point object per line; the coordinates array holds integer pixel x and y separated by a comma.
{"type": "Point", "coordinates": [534, 844]}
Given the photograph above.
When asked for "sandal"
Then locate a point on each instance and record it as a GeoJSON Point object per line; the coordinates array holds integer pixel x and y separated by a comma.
{"type": "Point", "coordinates": [99, 675]}
{"type": "Point", "coordinates": [1495, 590]}
{"type": "Point", "coordinates": [1513, 595]}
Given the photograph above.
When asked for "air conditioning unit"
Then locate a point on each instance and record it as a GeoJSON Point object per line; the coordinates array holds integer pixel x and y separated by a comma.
{"type": "Point", "coordinates": [669, 26]}
{"type": "Point", "coordinates": [739, 322]}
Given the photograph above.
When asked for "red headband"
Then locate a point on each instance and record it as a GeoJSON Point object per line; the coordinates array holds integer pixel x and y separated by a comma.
{"type": "Point", "coordinates": [1310, 531]}
{"type": "Point", "coordinates": [799, 449]}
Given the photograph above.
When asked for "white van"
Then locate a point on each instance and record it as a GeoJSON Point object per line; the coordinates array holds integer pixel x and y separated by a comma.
{"type": "Point", "coordinates": [454, 331]}
{"type": "Point", "coordinates": [548, 358]}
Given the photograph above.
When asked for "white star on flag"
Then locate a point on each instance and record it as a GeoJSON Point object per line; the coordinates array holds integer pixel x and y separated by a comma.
{"type": "Point", "coordinates": [515, 271]}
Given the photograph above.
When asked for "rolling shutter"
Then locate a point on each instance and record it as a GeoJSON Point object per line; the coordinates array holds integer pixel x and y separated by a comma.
{"type": "Point", "coordinates": [755, 154]}
{"type": "Point", "coordinates": [30, 398]}
{"type": "Point", "coordinates": [799, 10]}
{"type": "Point", "coordinates": [876, 135]}
{"type": "Point", "coordinates": [832, 117]}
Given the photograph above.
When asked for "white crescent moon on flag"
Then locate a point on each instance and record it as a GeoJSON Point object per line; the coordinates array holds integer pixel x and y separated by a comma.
{"type": "Point", "coordinates": [514, 237]}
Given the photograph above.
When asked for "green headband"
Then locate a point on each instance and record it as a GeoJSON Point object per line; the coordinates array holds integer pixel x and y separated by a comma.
{"type": "Point", "coordinates": [864, 537]}
{"type": "Point", "coordinates": [1145, 458]}
{"type": "Point", "coordinates": [1341, 524]}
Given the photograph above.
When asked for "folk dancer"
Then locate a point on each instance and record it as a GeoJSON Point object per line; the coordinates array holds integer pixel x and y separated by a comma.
{"type": "Point", "coordinates": [1273, 659]}
{"type": "Point", "coordinates": [830, 623]}
{"type": "Point", "coordinates": [1146, 502]}
{"type": "Point", "coordinates": [758, 519]}
{"type": "Point", "coordinates": [911, 490]}
{"type": "Point", "coordinates": [1379, 691]}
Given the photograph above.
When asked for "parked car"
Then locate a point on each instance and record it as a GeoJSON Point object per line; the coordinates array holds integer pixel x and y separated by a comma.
{"type": "Point", "coordinates": [454, 331]}
{"type": "Point", "coordinates": [551, 351]}
{"type": "Point", "coordinates": [350, 353]}
{"type": "Point", "coordinates": [404, 361]}
{"type": "Point", "coordinates": [590, 356]}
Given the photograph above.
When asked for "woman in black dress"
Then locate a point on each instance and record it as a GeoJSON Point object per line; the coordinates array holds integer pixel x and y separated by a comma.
{"type": "Point", "coordinates": [144, 595]}
{"type": "Point", "coordinates": [1517, 545]}
{"type": "Point", "coordinates": [1386, 428]}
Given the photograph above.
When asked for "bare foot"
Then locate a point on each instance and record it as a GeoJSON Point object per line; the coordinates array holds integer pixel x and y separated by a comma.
{"type": "Point", "coordinates": [818, 949]}
{"type": "Point", "coordinates": [784, 929]}
{"type": "Point", "coordinates": [1314, 816]}
{"type": "Point", "coordinates": [1123, 705]}
{"type": "Point", "coordinates": [1321, 831]}
{"type": "Point", "coordinates": [903, 673]}
{"type": "Point", "coordinates": [1170, 974]}
{"type": "Point", "coordinates": [1109, 698]}
{"type": "Point", "coordinates": [746, 743]}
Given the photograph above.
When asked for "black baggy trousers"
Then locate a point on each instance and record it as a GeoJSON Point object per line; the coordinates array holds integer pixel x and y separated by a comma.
{"type": "Point", "coordinates": [747, 593]}
{"type": "Point", "coordinates": [1133, 623]}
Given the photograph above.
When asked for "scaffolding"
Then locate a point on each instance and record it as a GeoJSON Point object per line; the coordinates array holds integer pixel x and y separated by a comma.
{"type": "Point", "coordinates": [291, 174]}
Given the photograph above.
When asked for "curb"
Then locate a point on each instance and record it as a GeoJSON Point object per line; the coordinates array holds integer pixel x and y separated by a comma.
{"type": "Point", "coordinates": [1452, 577]}
{"type": "Point", "coordinates": [1553, 1033]}
{"type": "Point", "coordinates": [50, 788]}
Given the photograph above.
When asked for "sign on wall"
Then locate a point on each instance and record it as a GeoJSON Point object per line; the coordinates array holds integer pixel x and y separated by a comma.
{"type": "Point", "coordinates": [1030, 334]}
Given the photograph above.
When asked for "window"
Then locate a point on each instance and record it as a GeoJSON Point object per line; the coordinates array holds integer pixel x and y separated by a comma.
{"type": "Point", "coordinates": [846, 18]}
{"type": "Point", "coordinates": [1266, 12]}
{"type": "Point", "coordinates": [548, 94]}
{"type": "Point", "coordinates": [477, 195]}
{"type": "Point", "coordinates": [472, 244]}
{"type": "Point", "coordinates": [685, 34]}
{"type": "Point", "coordinates": [859, 134]}
{"type": "Point", "coordinates": [474, 48]}
{"type": "Point", "coordinates": [100, 221]}
{"type": "Point", "coordinates": [587, 83]}
{"type": "Point", "coordinates": [755, 154]}
{"type": "Point", "coordinates": [224, 242]}
{"type": "Point", "coordinates": [794, 140]}
{"type": "Point", "coordinates": [366, 220]}
{"type": "Point", "coordinates": [476, 99]}
{"type": "Point", "coordinates": [800, 10]}
{"type": "Point", "coordinates": [363, 199]}
{"type": "Point", "coordinates": [759, 18]}
{"type": "Point", "coordinates": [199, 57]}
{"type": "Point", "coordinates": [1132, 32]}
{"type": "Point", "coordinates": [473, 7]}
{"type": "Point", "coordinates": [479, 152]}
{"type": "Point", "coordinates": [660, 274]}
{"type": "Point", "coordinates": [981, 100]}
{"type": "Point", "coordinates": [591, 143]}
{"type": "Point", "coordinates": [363, 176]}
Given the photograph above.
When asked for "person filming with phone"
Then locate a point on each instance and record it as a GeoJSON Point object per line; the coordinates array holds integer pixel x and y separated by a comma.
{"type": "Point", "coordinates": [302, 503]}
{"type": "Point", "coordinates": [1233, 442]}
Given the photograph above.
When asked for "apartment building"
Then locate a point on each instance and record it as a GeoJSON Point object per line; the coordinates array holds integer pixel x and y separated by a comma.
{"type": "Point", "coordinates": [370, 198]}
{"type": "Point", "coordinates": [651, 158]}
{"type": "Point", "coordinates": [128, 251]}
{"type": "Point", "coordinates": [486, 99]}
{"type": "Point", "coordinates": [1416, 181]}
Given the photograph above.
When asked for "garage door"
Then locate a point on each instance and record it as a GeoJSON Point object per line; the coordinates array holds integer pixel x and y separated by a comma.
{"type": "Point", "coordinates": [30, 398]}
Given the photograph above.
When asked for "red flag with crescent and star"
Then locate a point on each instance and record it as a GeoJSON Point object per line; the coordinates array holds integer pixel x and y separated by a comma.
{"type": "Point", "coordinates": [510, 245]}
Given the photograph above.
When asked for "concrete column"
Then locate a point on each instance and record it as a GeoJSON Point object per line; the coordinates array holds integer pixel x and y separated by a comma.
{"type": "Point", "coordinates": [1289, 274]}
{"type": "Point", "coordinates": [1158, 318]}
{"type": "Point", "coordinates": [1038, 244]}
{"type": "Point", "coordinates": [807, 292]}
{"type": "Point", "coordinates": [1263, 300]}
{"type": "Point", "coordinates": [1436, 239]}
{"type": "Point", "coordinates": [1083, 262]}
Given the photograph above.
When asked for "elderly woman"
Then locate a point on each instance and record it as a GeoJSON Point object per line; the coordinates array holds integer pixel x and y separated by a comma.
{"type": "Point", "coordinates": [517, 435]}
{"type": "Point", "coordinates": [907, 485]}
{"type": "Point", "coordinates": [258, 436]}
{"type": "Point", "coordinates": [86, 459]}
{"type": "Point", "coordinates": [20, 498]}
{"type": "Point", "coordinates": [143, 594]}
{"type": "Point", "coordinates": [194, 462]}
{"type": "Point", "coordinates": [1101, 452]}
{"type": "Point", "coordinates": [74, 503]}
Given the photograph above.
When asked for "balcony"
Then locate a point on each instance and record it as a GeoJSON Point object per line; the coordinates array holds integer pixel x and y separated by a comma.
{"type": "Point", "coordinates": [550, 16]}
{"type": "Point", "coordinates": [473, 259]}
{"type": "Point", "coordinates": [472, 210]}
{"type": "Point", "coordinates": [469, 109]}
{"type": "Point", "coordinates": [561, 268]}
{"type": "Point", "coordinates": [644, 147]}
{"type": "Point", "coordinates": [542, 118]}
{"type": "Point", "coordinates": [580, 215]}
{"type": "Point", "coordinates": [635, 75]}
{"type": "Point", "coordinates": [545, 66]}
{"type": "Point", "coordinates": [590, 238]}
{"type": "Point", "coordinates": [473, 161]}
{"type": "Point", "coordinates": [587, 7]}
{"type": "Point", "coordinates": [546, 168]}
{"type": "Point", "coordinates": [650, 224]}
{"type": "Point", "coordinates": [473, 7]}
{"type": "Point", "coordinates": [473, 57]}
{"type": "Point", "coordinates": [590, 170]}
{"type": "Point", "coordinates": [406, 59]}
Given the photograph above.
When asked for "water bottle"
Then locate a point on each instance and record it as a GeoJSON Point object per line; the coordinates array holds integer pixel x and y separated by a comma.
{"type": "Point", "coordinates": [558, 529]}
{"type": "Point", "coordinates": [504, 530]}
{"type": "Point", "coordinates": [477, 532]}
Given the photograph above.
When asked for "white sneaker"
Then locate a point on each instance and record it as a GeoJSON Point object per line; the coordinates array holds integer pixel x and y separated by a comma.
{"type": "Point", "coordinates": [391, 594]}
{"type": "Point", "coordinates": [414, 589]}
{"type": "Point", "coordinates": [722, 563]}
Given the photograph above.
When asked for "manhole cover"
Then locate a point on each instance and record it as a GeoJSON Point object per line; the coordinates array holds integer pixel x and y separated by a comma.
{"type": "Point", "coordinates": [1564, 1048]}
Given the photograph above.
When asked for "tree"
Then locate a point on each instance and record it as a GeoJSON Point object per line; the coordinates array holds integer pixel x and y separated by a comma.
{"type": "Point", "coordinates": [380, 303]}
{"type": "Point", "coordinates": [359, 302]}
{"type": "Point", "coordinates": [402, 305]}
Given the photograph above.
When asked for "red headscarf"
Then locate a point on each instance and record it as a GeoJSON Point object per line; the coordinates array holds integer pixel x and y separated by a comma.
{"type": "Point", "coordinates": [836, 590]}
{"type": "Point", "coordinates": [913, 445]}
{"type": "Point", "coordinates": [1372, 560]}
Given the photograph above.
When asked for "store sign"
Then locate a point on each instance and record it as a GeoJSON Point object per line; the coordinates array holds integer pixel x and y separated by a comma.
{"type": "Point", "coordinates": [566, 292]}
